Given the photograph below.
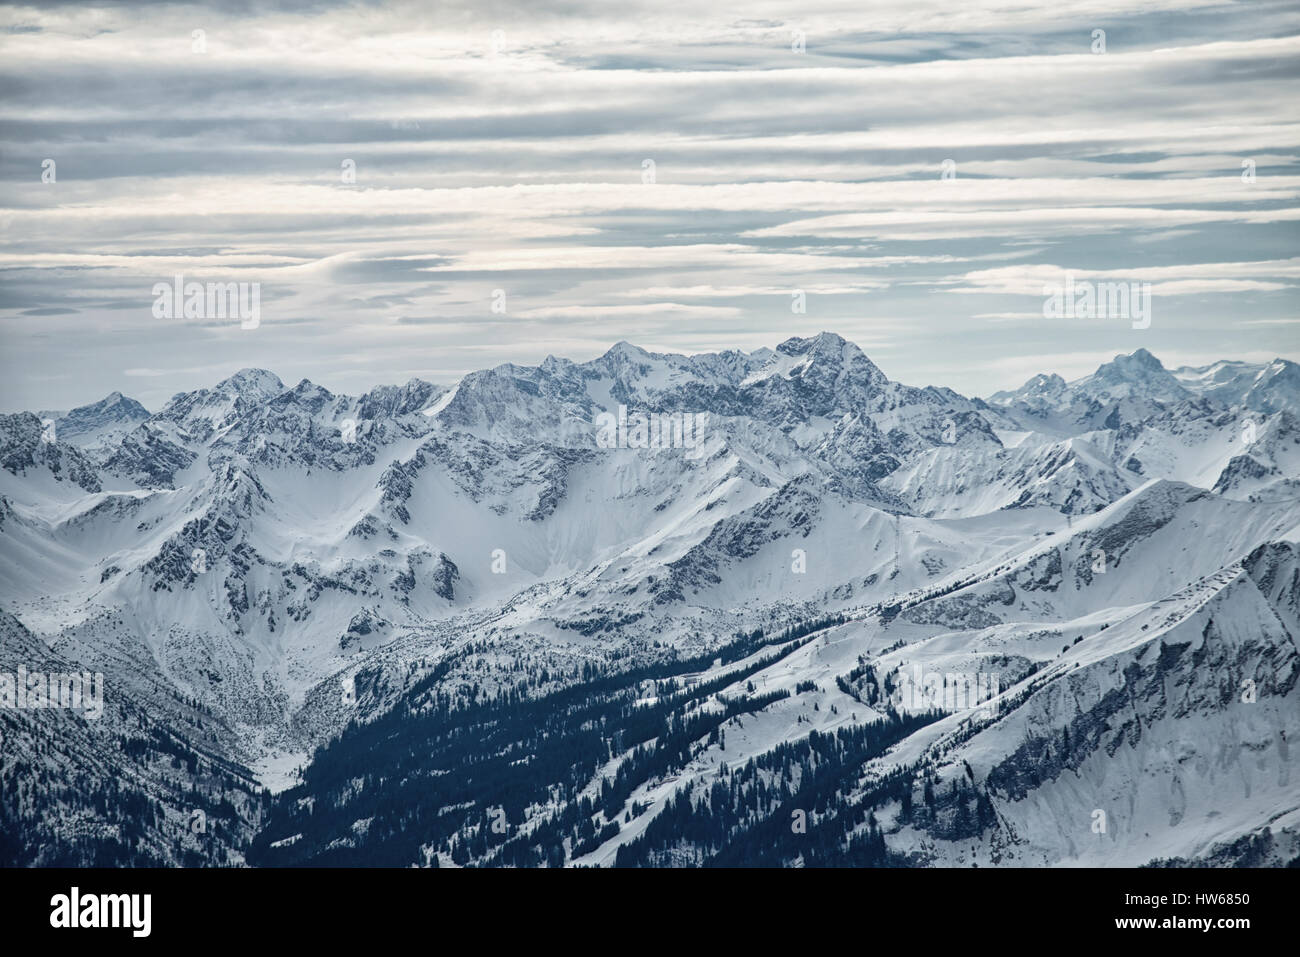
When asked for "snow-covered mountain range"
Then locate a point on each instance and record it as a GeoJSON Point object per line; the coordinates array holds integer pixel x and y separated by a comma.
{"type": "Point", "coordinates": [662, 609]}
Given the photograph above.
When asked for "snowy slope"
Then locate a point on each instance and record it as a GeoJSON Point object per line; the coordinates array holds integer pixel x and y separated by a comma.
{"type": "Point", "coordinates": [282, 560]}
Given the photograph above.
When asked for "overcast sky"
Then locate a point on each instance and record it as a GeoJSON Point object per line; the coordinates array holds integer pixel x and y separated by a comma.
{"type": "Point", "coordinates": [516, 161]}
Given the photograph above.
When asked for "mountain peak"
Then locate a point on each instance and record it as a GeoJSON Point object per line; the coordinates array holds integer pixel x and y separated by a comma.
{"type": "Point", "coordinates": [255, 382]}
{"type": "Point", "coordinates": [826, 349]}
{"type": "Point", "coordinates": [397, 400]}
{"type": "Point", "coordinates": [1044, 384]}
{"type": "Point", "coordinates": [1146, 359]}
{"type": "Point", "coordinates": [1139, 361]}
{"type": "Point", "coordinates": [1140, 369]}
{"type": "Point", "coordinates": [625, 350]}
{"type": "Point", "coordinates": [115, 404]}
{"type": "Point", "coordinates": [823, 343]}
{"type": "Point", "coordinates": [307, 387]}
{"type": "Point", "coordinates": [110, 414]}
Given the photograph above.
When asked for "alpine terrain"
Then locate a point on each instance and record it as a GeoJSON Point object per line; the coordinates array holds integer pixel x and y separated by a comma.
{"type": "Point", "coordinates": [767, 608]}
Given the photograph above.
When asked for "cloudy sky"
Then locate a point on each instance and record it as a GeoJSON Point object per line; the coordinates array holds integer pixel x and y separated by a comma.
{"type": "Point", "coordinates": [663, 172]}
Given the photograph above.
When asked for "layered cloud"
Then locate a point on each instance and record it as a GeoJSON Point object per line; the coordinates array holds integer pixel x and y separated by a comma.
{"type": "Point", "coordinates": [424, 192]}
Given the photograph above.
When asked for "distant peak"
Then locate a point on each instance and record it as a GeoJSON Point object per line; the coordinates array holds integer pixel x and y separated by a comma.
{"type": "Point", "coordinates": [114, 405]}
{"type": "Point", "coordinates": [625, 349]}
{"type": "Point", "coordinates": [824, 343]}
{"type": "Point", "coordinates": [1044, 383]}
{"type": "Point", "coordinates": [1139, 364]}
{"type": "Point", "coordinates": [252, 380]}
{"type": "Point", "coordinates": [1139, 358]}
{"type": "Point", "coordinates": [1146, 358]}
{"type": "Point", "coordinates": [553, 364]}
